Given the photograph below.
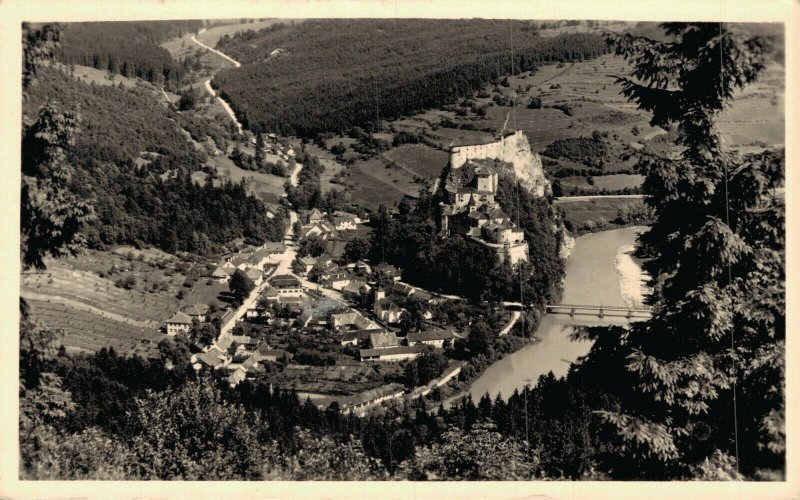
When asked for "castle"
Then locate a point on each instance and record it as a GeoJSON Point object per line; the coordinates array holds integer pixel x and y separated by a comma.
{"type": "Point", "coordinates": [514, 149]}
{"type": "Point", "coordinates": [471, 209]}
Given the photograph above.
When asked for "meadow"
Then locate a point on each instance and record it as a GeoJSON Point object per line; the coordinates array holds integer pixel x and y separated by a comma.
{"type": "Point", "coordinates": [578, 211]}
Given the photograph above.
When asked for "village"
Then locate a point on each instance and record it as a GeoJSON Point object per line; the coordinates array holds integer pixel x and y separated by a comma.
{"type": "Point", "coordinates": [335, 331]}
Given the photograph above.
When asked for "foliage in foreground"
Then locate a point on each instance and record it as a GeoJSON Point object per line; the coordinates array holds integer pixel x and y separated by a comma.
{"type": "Point", "coordinates": [708, 368]}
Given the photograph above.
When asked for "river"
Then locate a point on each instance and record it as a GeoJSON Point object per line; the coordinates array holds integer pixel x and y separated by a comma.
{"type": "Point", "coordinates": [591, 278]}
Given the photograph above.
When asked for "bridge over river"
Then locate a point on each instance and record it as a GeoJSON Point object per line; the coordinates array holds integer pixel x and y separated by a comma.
{"type": "Point", "coordinates": [600, 311]}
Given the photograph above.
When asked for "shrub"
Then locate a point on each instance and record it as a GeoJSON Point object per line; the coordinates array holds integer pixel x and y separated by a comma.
{"type": "Point", "coordinates": [126, 282]}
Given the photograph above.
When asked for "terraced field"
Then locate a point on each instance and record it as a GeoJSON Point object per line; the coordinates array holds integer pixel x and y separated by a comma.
{"type": "Point", "coordinates": [95, 292]}
{"type": "Point", "coordinates": [90, 332]}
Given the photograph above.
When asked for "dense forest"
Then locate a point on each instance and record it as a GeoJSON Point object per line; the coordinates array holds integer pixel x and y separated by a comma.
{"type": "Point", "coordinates": [130, 49]}
{"type": "Point", "coordinates": [176, 214]}
{"type": "Point", "coordinates": [334, 74]}
{"type": "Point", "coordinates": [117, 124]}
{"type": "Point", "coordinates": [136, 200]}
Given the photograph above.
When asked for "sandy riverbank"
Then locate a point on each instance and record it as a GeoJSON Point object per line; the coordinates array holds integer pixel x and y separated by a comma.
{"type": "Point", "coordinates": [632, 278]}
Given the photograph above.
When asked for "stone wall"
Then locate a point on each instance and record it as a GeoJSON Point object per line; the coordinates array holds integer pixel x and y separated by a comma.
{"type": "Point", "coordinates": [514, 149]}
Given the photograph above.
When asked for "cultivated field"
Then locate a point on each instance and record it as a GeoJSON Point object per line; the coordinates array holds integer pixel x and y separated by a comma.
{"type": "Point", "coordinates": [373, 183]}
{"type": "Point", "coordinates": [419, 159]}
{"type": "Point", "coordinates": [609, 182]}
{"type": "Point", "coordinates": [580, 211]}
{"type": "Point", "coordinates": [79, 295]}
{"type": "Point", "coordinates": [332, 168]}
{"type": "Point", "coordinates": [90, 332]}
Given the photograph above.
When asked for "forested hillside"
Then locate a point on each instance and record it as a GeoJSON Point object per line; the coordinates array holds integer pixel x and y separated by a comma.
{"type": "Point", "coordinates": [128, 48]}
{"type": "Point", "coordinates": [333, 74]}
{"type": "Point", "coordinates": [118, 125]}
{"type": "Point", "coordinates": [135, 201]}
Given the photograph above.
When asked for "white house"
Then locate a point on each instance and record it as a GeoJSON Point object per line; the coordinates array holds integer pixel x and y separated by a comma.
{"type": "Point", "coordinates": [344, 221]}
{"type": "Point", "coordinates": [434, 338]}
{"type": "Point", "coordinates": [384, 309]}
{"type": "Point", "coordinates": [286, 285]}
{"type": "Point", "coordinates": [179, 322]}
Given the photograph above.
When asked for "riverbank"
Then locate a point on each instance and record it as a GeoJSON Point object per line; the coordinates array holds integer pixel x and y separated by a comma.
{"type": "Point", "coordinates": [632, 279]}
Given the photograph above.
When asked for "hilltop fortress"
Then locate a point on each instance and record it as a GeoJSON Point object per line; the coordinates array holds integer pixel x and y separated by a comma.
{"type": "Point", "coordinates": [469, 189]}
{"type": "Point", "coordinates": [513, 148]}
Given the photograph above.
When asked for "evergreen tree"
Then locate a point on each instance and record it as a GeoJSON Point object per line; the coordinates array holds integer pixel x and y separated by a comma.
{"type": "Point", "coordinates": [260, 158]}
{"type": "Point", "coordinates": [701, 383]}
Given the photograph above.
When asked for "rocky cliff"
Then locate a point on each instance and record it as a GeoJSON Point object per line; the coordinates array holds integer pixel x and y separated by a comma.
{"type": "Point", "coordinates": [513, 149]}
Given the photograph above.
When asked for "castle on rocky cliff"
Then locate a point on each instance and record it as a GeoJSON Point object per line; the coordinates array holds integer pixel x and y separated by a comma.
{"type": "Point", "coordinates": [469, 190]}
{"type": "Point", "coordinates": [512, 148]}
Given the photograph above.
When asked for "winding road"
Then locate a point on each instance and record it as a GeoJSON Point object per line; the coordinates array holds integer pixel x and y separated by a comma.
{"type": "Point", "coordinates": [229, 58]}
{"type": "Point", "coordinates": [207, 83]}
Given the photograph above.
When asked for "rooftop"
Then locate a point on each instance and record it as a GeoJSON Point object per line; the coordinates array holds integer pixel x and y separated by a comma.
{"type": "Point", "coordinates": [380, 340]}
{"type": "Point", "coordinates": [436, 334]}
{"type": "Point", "coordinates": [180, 318]}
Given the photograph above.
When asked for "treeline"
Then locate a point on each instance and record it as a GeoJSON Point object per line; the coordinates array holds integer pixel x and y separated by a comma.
{"type": "Point", "coordinates": [130, 49]}
{"type": "Point", "coordinates": [176, 214]}
{"type": "Point", "coordinates": [341, 73]}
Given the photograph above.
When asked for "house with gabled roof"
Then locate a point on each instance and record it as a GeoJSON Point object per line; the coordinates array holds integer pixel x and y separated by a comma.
{"type": "Point", "coordinates": [383, 340]}
{"type": "Point", "coordinates": [350, 319]}
{"type": "Point", "coordinates": [254, 275]}
{"type": "Point", "coordinates": [356, 290]}
{"type": "Point", "coordinates": [222, 274]}
{"type": "Point", "coordinates": [436, 337]}
{"type": "Point", "coordinates": [384, 309]}
{"type": "Point", "coordinates": [322, 229]}
{"type": "Point", "coordinates": [178, 322]}
{"type": "Point", "coordinates": [344, 221]}
{"type": "Point", "coordinates": [238, 376]}
{"type": "Point", "coordinates": [315, 216]}
{"type": "Point", "coordinates": [304, 265]}
{"type": "Point", "coordinates": [197, 311]}
{"type": "Point", "coordinates": [356, 337]}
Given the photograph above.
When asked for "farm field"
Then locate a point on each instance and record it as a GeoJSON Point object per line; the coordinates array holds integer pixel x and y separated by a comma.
{"type": "Point", "coordinates": [756, 116]}
{"type": "Point", "coordinates": [373, 184]}
{"type": "Point", "coordinates": [95, 313]}
{"type": "Point", "coordinates": [90, 332]}
{"type": "Point", "coordinates": [91, 290]}
{"type": "Point", "coordinates": [211, 36]}
{"type": "Point", "coordinates": [420, 159]}
{"type": "Point", "coordinates": [609, 182]}
{"type": "Point", "coordinates": [580, 211]}
{"type": "Point", "coordinates": [331, 167]}
{"type": "Point", "coordinates": [267, 187]}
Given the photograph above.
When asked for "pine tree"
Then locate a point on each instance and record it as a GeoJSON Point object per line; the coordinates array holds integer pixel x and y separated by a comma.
{"type": "Point", "coordinates": [701, 383]}
{"type": "Point", "coordinates": [260, 158]}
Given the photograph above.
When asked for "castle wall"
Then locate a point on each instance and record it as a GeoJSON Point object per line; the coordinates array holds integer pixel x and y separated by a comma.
{"type": "Point", "coordinates": [513, 148]}
{"type": "Point", "coordinates": [514, 252]}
